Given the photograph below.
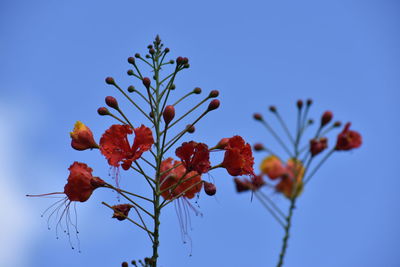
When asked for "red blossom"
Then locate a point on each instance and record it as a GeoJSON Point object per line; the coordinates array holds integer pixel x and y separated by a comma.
{"type": "Point", "coordinates": [238, 158]}
{"type": "Point", "coordinates": [82, 137]}
{"type": "Point", "coordinates": [195, 156]}
{"type": "Point", "coordinates": [121, 211]}
{"type": "Point", "coordinates": [114, 144]}
{"type": "Point", "coordinates": [318, 145]}
{"type": "Point", "coordinates": [348, 139]}
{"type": "Point", "coordinates": [81, 182]}
{"type": "Point", "coordinates": [178, 182]}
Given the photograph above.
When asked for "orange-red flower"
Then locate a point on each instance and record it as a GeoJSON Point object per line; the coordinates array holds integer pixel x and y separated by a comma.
{"type": "Point", "coordinates": [318, 145]}
{"type": "Point", "coordinates": [253, 184]}
{"type": "Point", "coordinates": [238, 158]}
{"type": "Point", "coordinates": [114, 144]}
{"type": "Point", "coordinates": [81, 182]}
{"type": "Point", "coordinates": [82, 137]}
{"type": "Point", "coordinates": [178, 181]}
{"type": "Point", "coordinates": [348, 139]}
{"type": "Point", "coordinates": [273, 167]}
{"type": "Point", "coordinates": [194, 156]}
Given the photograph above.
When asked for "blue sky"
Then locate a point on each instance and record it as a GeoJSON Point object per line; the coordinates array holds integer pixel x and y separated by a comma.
{"type": "Point", "coordinates": [343, 54]}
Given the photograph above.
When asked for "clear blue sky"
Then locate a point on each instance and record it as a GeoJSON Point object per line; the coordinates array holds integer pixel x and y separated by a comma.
{"type": "Point", "coordinates": [54, 56]}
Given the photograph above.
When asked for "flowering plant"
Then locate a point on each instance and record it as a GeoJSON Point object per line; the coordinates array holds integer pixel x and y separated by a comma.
{"type": "Point", "coordinates": [169, 180]}
{"type": "Point", "coordinates": [290, 178]}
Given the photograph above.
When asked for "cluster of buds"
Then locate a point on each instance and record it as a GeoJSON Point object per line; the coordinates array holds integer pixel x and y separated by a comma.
{"type": "Point", "coordinates": [290, 176]}
{"type": "Point", "coordinates": [170, 179]}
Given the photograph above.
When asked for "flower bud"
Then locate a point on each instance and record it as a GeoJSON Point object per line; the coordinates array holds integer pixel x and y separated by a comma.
{"type": "Point", "coordinates": [166, 50]}
{"type": "Point", "coordinates": [197, 90]}
{"type": "Point", "coordinates": [190, 128]}
{"type": "Point", "coordinates": [152, 51]}
{"type": "Point", "coordinates": [272, 109]}
{"type": "Point", "coordinates": [258, 147]}
{"type": "Point", "coordinates": [326, 118]}
{"type": "Point", "coordinates": [257, 117]}
{"type": "Point", "coordinates": [168, 114]}
{"type": "Point", "coordinates": [121, 211]}
{"type": "Point", "coordinates": [310, 121]}
{"type": "Point", "coordinates": [131, 89]}
{"type": "Point", "coordinates": [131, 60]}
{"type": "Point", "coordinates": [110, 80]}
{"type": "Point", "coordinates": [148, 56]}
{"type": "Point", "coordinates": [337, 124]}
{"type": "Point", "coordinates": [185, 60]}
{"type": "Point", "coordinates": [137, 55]}
{"type": "Point", "coordinates": [112, 102]}
{"type": "Point", "coordinates": [214, 104]}
{"type": "Point", "coordinates": [172, 87]}
{"type": "Point", "coordinates": [209, 188]}
{"type": "Point", "coordinates": [130, 72]}
{"type": "Point", "coordinates": [124, 264]}
{"type": "Point", "coordinates": [151, 114]}
{"type": "Point", "coordinates": [318, 145]}
{"type": "Point", "coordinates": [146, 82]}
{"type": "Point", "coordinates": [299, 104]}
{"type": "Point", "coordinates": [186, 66]}
{"type": "Point", "coordinates": [309, 102]}
{"type": "Point", "coordinates": [171, 61]}
{"type": "Point", "coordinates": [179, 60]}
{"type": "Point", "coordinates": [103, 111]}
{"type": "Point", "coordinates": [213, 94]}
{"type": "Point", "coordinates": [149, 46]}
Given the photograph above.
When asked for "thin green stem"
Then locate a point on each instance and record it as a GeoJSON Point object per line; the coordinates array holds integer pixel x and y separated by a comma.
{"type": "Point", "coordinates": [287, 232]}
{"type": "Point", "coordinates": [269, 209]}
{"type": "Point", "coordinates": [318, 166]}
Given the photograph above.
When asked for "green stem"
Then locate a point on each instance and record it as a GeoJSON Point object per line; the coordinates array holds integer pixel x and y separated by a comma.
{"type": "Point", "coordinates": [287, 232]}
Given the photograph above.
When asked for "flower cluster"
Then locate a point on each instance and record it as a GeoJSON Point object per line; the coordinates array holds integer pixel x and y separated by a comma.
{"type": "Point", "coordinates": [289, 178]}
{"type": "Point", "coordinates": [144, 149]}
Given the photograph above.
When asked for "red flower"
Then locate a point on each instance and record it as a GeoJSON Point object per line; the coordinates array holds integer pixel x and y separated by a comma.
{"type": "Point", "coordinates": [82, 137]}
{"type": "Point", "coordinates": [238, 158]}
{"type": "Point", "coordinates": [178, 181]}
{"type": "Point", "coordinates": [81, 182]}
{"type": "Point", "coordinates": [348, 139]}
{"type": "Point", "coordinates": [318, 145]}
{"type": "Point", "coordinates": [195, 156]}
{"type": "Point", "coordinates": [114, 144]}
{"type": "Point", "coordinates": [121, 211]}
{"type": "Point", "coordinates": [255, 183]}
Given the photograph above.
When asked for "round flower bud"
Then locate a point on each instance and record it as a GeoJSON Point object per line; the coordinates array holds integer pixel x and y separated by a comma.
{"type": "Point", "coordinates": [299, 104]}
{"type": "Point", "coordinates": [272, 109]}
{"type": "Point", "coordinates": [166, 50]}
{"type": "Point", "coordinates": [168, 114]}
{"type": "Point", "coordinates": [124, 264]}
{"type": "Point", "coordinates": [137, 55]}
{"type": "Point", "coordinates": [186, 66]}
{"type": "Point", "coordinates": [131, 60]}
{"type": "Point", "coordinates": [148, 56]}
{"type": "Point", "coordinates": [214, 104]}
{"type": "Point", "coordinates": [131, 89]}
{"type": "Point", "coordinates": [179, 60]}
{"type": "Point", "coordinates": [146, 82]}
{"type": "Point", "coordinates": [209, 188]}
{"type": "Point", "coordinates": [130, 72]}
{"type": "Point", "coordinates": [309, 102]}
{"type": "Point", "coordinates": [152, 51]}
{"type": "Point", "coordinates": [149, 46]}
{"type": "Point", "coordinates": [213, 94]}
{"type": "Point", "coordinates": [197, 90]}
{"type": "Point", "coordinates": [112, 102]}
{"type": "Point", "coordinates": [222, 143]}
{"type": "Point", "coordinates": [190, 128]}
{"type": "Point", "coordinates": [103, 111]}
{"type": "Point", "coordinates": [151, 114]}
{"type": "Point", "coordinates": [310, 121]}
{"type": "Point", "coordinates": [172, 87]}
{"type": "Point", "coordinates": [171, 61]}
{"type": "Point", "coordinates": [326, 118]}
{"type": "Point", "coordinates": [110, 80]}
{"type": "Point", "coordinates": [257, 117]}
{"type": "Point", "coordinates": [337, 124]}
{"type": "Point", "coordinates": [185, 60]}
{"type": "Point", "coordinates": [258, 147]}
